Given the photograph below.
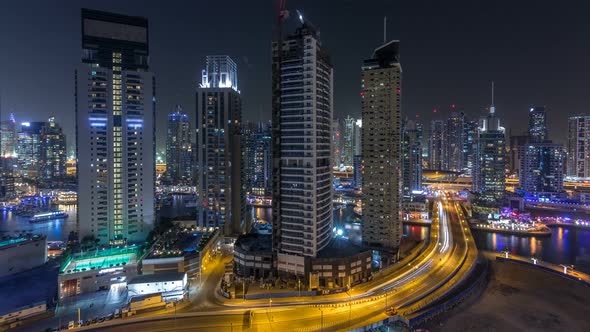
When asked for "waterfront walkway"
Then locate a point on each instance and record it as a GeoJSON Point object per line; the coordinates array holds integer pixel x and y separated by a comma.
{"type": "Point", "coordinates": [564, 270]}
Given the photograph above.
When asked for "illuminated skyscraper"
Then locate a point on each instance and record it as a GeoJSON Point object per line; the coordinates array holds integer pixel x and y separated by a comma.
{"type": "Point", "coordinates": [436, 145]}
{"type": "Point", "coordinates": [28, 149]}
{"type": "Point", "coordinates": [411, 156]}
{"type": "Point", "coordinates": [538, 124]}
{"type": "Point", "coordinates": [302, 149]}
{"type": "Point", "coordinates": [541, 168]}
{"type": "Point", "coordinates": [469, 146]}
{"type": "Point", "coordinates": [381, 79]}
{"type": "Point", "coordinates": [578, 146]}
{"type": "Point", "coordinates": [259, 157]}
{"type": "Point", "coordinates": [490, 169]}
{"type": "Point", "coordinates": [8, 137]}
{"type": "Point", "coordinates": [115, 131]}
{"type": "Point", "coordinates": [218, 123]}
{"type": "Point", "coordinates": [52, 162]}
{"type": "Point", "coordinates": [178, 147]}
{"type": "Point", "coordinates": [348, 147]}
{"type": "Point", "coordinates": [454, 141]}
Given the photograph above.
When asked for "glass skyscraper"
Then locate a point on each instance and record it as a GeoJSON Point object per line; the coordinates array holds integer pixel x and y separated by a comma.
{"type": "Point", "coordinates": [178, 147]}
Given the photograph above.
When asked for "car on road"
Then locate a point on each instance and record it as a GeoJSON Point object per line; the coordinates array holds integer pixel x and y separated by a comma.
{"type": "Point", "coordinates": [391, 311]}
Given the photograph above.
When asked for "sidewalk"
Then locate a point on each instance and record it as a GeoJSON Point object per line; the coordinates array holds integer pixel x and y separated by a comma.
{"type": "Point", "coordinates": [566, 272]}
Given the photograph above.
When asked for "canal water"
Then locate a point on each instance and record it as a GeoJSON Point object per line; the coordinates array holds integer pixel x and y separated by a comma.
{"type": "Point", "coordinates": [564, 246]}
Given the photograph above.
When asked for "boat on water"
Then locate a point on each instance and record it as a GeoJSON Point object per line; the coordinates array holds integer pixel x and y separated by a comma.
{"type": "Point", "coordinates": [41, 217]}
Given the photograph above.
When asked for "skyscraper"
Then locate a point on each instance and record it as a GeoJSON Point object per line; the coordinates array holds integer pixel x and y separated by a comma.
{"type": "Point", "coordinates": [52, 162]}
{"type": "Point", "coordinates": [436, 145]}
{"type": "Point", "coordinates": [115, 131]}
{"type": "Point", "coordinates": [469, 146]}
{"type": "Point", "coordinates": [178, 147]}
{"type": "Point", "coordinates": [381, 78]}
{"type": "Point", "coordinates": [454, 141]}
{"type": "Point", "coordinates": [411, 157]}
{"type": "Point", "coordinates": [302, 148]}
{"type": "Point", "coordinates": [537, 124]}
{"type": "Point", "coordinates": [490, 171]}
{"type": "Point", "coordinates": [541, 168]}
{"type": "Point", "coordinates": [337, 143]}
{"type": "Point", "coordinates": [8, 137]}
{"type": "Point", "coordinates": [219, 121]}
{"type": "Point", "coordinates": [28, 149]}
{"type": "Point", "coordinates": [260, 166]}
{"type": "Point", "coordinates": [578, 146]}
{"type": "Point", "coordinates": [348, 148]}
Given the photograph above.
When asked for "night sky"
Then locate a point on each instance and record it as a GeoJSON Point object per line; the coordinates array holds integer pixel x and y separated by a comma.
{"type": "Point", "coordinates": [535, 51]}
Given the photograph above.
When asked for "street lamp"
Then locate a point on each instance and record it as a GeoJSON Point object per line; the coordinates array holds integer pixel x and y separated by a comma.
{"type": "Point", "coordinates": [506, 253]}
{"type": "Point", "coordinates": [321, 319]}
{"type": "Point", "coordinates": [566, 267]}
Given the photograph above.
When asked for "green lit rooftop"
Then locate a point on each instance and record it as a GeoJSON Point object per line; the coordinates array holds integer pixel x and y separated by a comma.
{"type": "Point", "coordinates": [101, 259]}
{"type": "Point", "coordinates": [11, 241]}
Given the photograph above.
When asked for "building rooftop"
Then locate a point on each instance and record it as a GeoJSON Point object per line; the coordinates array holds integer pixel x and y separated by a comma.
{"type": "Point", "coordinates": [180, 241]}
{"type": "Point", "coordinates": [340, 247]}
{"type": "Point", "coordinates": [100, 259]}
{"type": "Point", "coordinates": [6, 242]}
{"type": "Point", "coordinates": [158, 277]}
{"type": "Point", "coordinates": [254, 242]}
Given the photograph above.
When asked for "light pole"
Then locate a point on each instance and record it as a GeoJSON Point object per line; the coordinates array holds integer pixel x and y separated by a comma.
{"type": "Point", "coordinates": [506, 253]}
{"type": "Point", "coordinates": [79, 324]}
{"type": "Point", "coordinates": [566, 267]}
{"type": "Point", "coordinates": [321, 319]}
{"type": "Point", "coordinates": [349, 307]}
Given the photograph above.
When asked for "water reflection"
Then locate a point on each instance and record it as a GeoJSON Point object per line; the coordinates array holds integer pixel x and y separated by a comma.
{"type": "Point", "coordinates": [565, 246]}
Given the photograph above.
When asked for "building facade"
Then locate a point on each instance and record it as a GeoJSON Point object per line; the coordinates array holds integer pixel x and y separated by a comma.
{"type": "Point", "coordinates": [302, 149]}
{"type": "Point", "coordinates": [348, 147]}
{"type": "Point", "coordinates": [53, 151]}
{"type": "Point", "coordinates": [578, 146]}
{"type": "Point", "coordinates": [490, 171]}
{"type": "Point", "coordinates": [538, 124]}
{"type": "Point", "coordinates": [541, 168]}
{"type": "Point", "coordinates": [115, 130]}
{"type": "Point", "coordinates": [454, 141]}
{"type": "Point", "coordinates": [411, 157]}
{"type": "Point", "coordinates": [259, 156]}
{"type": "Point", "coordinates": [8, 137]}
{"type": "Point", "coordinates": [28, 149]}
{"type": "Point", "coordinates": [219, 119]}
{"type": "Point", "coordinates": [436, 145]}
{"type": "Point", "coordinates": [470, 128]}
{"type": "Point", "coordinates": [178, 147]}
{"type": "Point", "coordinates": [381, 78]}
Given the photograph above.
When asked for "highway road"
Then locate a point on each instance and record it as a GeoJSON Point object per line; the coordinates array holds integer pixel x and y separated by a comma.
{"type": "Point", "coordinates": [447, 260]}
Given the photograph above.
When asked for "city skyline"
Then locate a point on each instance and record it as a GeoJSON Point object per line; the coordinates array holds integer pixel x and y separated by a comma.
{"type": "Point", "coordinates": [505, 51]}
{"type": "Point", "coordinates": [347, 211]}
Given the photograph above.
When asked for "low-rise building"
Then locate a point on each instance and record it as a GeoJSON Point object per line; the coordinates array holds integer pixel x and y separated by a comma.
{"type": "Point", "coordinates": [172, 285]}
{"type": "Point", "coordinates": [22, 253]}
{"type": "Point", "coordinates": [253, 255]}
{"type": "Point", "coordinates": [181, 249]}
{"type": "Point", "coordinates": [99, 269]}
{"type": "Point", "coordinates": [340, 265]}
{"type": "Point", "coordinates": [415, 208]}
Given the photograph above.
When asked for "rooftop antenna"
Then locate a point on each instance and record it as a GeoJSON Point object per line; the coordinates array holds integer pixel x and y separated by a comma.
{"type": "Point", "coordinates": [384, 29]}
{"type": "Point", "coordinates": [492, 108]}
